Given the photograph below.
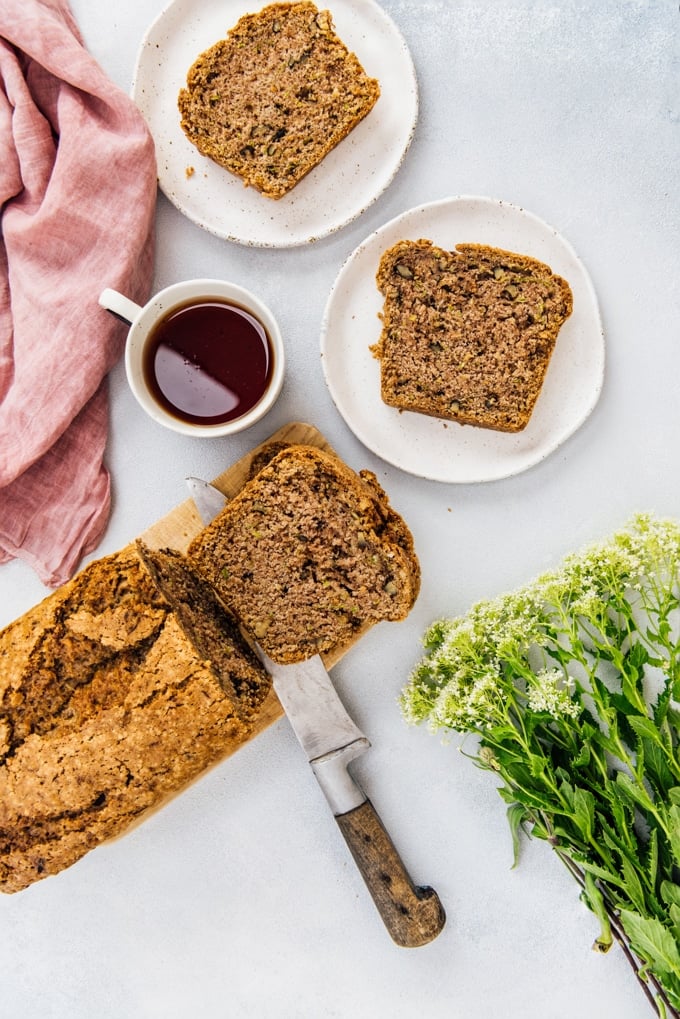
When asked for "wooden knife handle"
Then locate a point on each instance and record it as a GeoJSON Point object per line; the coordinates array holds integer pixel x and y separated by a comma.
{"type": "Point", "coordinates": [413, 916]}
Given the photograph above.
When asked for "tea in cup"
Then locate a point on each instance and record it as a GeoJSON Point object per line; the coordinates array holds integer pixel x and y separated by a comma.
{"type": "Point", "coordinates": [203, 357]}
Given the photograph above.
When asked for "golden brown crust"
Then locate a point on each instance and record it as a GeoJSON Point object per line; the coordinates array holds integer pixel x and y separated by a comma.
{"type": "Point", "coordinates": [467, 335]}
{"type": "Point", "coordinates": [105, 710]}
{"type": "Point", "coordinates": [271, 100]}
{"type": "Point", "coordinates": [307, 553]}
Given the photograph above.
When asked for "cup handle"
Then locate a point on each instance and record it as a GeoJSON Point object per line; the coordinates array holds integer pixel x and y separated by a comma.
{"type": "Point", "coordinates": [121, 306]}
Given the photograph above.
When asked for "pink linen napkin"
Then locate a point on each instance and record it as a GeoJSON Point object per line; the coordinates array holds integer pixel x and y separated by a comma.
{"type": "Point", "coordinates": [77, 201]}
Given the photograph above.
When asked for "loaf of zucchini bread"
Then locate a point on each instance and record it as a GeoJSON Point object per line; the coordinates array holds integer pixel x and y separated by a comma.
{"type": "Point", "coordinates": [115, 691]}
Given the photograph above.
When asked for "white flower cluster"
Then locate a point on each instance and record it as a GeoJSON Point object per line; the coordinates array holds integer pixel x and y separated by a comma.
{"type": "Point", "coordinates": [551, 692]}
{"type": "Point", "coordinates": [470, 703]}
{"type": "Point", "coordinates": [477, 667]}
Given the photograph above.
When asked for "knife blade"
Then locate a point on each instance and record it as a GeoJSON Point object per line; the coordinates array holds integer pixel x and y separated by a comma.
{"type": "Point", "coordinates": [413, 915]}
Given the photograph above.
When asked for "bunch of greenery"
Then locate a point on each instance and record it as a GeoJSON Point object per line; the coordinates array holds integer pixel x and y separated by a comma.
{"type": "Point", "coordinates": [572, 687]}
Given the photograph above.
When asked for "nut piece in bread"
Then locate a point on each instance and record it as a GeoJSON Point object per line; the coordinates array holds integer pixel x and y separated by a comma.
{"type": "Point", "coordinates": [274, 97]}
{"type": "Point", "coordinates": [308, 553]}
{"type": "Point", "coordinates": [107, 707]}
{"type": "Point", "coordinates": [467, 335]}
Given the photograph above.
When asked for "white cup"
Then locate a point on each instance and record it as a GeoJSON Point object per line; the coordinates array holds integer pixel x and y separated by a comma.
{"type": "Point", "coordinates": [143, 322]}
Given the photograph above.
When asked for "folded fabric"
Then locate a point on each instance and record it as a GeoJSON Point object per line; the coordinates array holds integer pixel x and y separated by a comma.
{"type": "Point", "coordinates": [77, 201]}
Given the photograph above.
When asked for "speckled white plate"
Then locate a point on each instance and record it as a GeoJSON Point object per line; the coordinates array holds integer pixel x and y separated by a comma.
{"type": "Point", "coordinates": [338, 189]}
{"type": "Point", "coordinates": [444, 450]}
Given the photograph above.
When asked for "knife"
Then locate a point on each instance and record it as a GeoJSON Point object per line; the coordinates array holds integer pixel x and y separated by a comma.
{"type": "Point", "coordinates": [412, 915]}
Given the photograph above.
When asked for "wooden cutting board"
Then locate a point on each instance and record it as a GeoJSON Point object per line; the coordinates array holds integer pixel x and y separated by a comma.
{"type": "Point", "coordinates": [179, 527]}
{"type": "Point", "coordinates": [176, 530]}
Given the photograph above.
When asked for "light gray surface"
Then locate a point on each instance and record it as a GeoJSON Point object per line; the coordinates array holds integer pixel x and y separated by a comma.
{"type": "Point", "coordinates": [238, 899]}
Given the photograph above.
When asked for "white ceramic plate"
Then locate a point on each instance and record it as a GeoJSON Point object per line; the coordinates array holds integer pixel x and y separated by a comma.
{"type": "Point", "coordinates": [445, 450]}
{"type": "Point", "coordinates": [338, 189]}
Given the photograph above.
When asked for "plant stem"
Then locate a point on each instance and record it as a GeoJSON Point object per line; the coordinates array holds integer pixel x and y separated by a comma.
{"type": "Point", "coordinates": [670, 1011]}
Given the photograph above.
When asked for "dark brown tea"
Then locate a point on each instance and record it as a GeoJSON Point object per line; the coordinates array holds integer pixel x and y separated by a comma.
{"type": "Point", "coordinates": [208, 361]}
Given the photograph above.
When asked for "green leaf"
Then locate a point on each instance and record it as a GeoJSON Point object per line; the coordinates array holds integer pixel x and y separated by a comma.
{"type": "Point", "coordinates": [663, 630]}
{"type": "Point", "coordinates": [500, 734]}
{"type": "Point", "coordinates": [516, 815]}
{"type": "Point", "coordinates": [645, 727]}
{"type": "Point", "coordinates": [620, 843]}
{"type": "Point", "coordinates": [602, 698]}
{"type": "Point", "coordinates": [529, 789]}
{"type": "Point", "coordinates": [584, 812]}
{"type": "Point", "coordinates": [582, 759]}
{"type": "Point", "coordinates": [633, 885]}
{"type": "Point", "coordinates": [507, 753]}
{"type": "Point", "coordinates": [622, 816]}
{"type": "Point", "coordinates": [662, 710]}
{"type": "Point", "coordinates": [633, 670]}
{"type": "Point", "coordinates": [537, 765]}
{"type": "Point", "coordinates": [637, 658]}
{"type": "Point", "coordinates": [588, 731]}
{"type": "Point", "coordinates": [567, 834]}
{"type": "Point", "coordinates": [623, 705]}
{"type": "Point", "coordinates": [592, 897]}
{"type": "Point", "coordinates": [653, 942]}
{"type": "Point", "coordinates": [626, 788]}
{"type": "Point", "coordinates": [670, 893]}
{"type": "Point", "coordinates": [653, 758]}
{"type": "Point", "coordinates": [653, 857]}
{"type": "Point", "coordinates": [567, 794]}
{"type": "Point", "coordinates": [672, 818]}
{"type": "Point", "coordinates": [674, 913]}
{"type": "Point", "coordinates": [507, 794]}
{"type": "Point", "coordinates": [609, 876]}
{"type": "Point", "coordinates": [530, 800]}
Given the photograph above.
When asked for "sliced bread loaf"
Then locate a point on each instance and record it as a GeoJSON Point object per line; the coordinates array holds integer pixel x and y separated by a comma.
{"type": "Point", "coordinates": [274, 97]}
{"type": "Point", "coordinates": [467, 335]}
{"type": "Point", "coordinates": [308, 553]}
{"type": "Point", "coordinates": [107, 707]}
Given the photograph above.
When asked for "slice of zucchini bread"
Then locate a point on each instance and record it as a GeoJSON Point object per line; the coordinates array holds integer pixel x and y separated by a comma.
{"type": "Point", "coordinates": [467, 335]}
{"type": "Point", "coordinates": [274, 97]}
{"type": "Point", "coordinates": [307, 553]}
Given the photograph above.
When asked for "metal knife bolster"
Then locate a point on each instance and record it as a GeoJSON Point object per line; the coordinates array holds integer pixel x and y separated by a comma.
{"type": "Point", "coordinates": [323, 728]}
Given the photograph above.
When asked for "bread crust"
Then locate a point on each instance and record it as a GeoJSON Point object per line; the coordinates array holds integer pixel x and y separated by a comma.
{"type": "Point", "coordinates": [467, 335]}
{"type": "Point", "coordinates": [106, 709]}
{"type": "Point", "coordinates": [270, 101]}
